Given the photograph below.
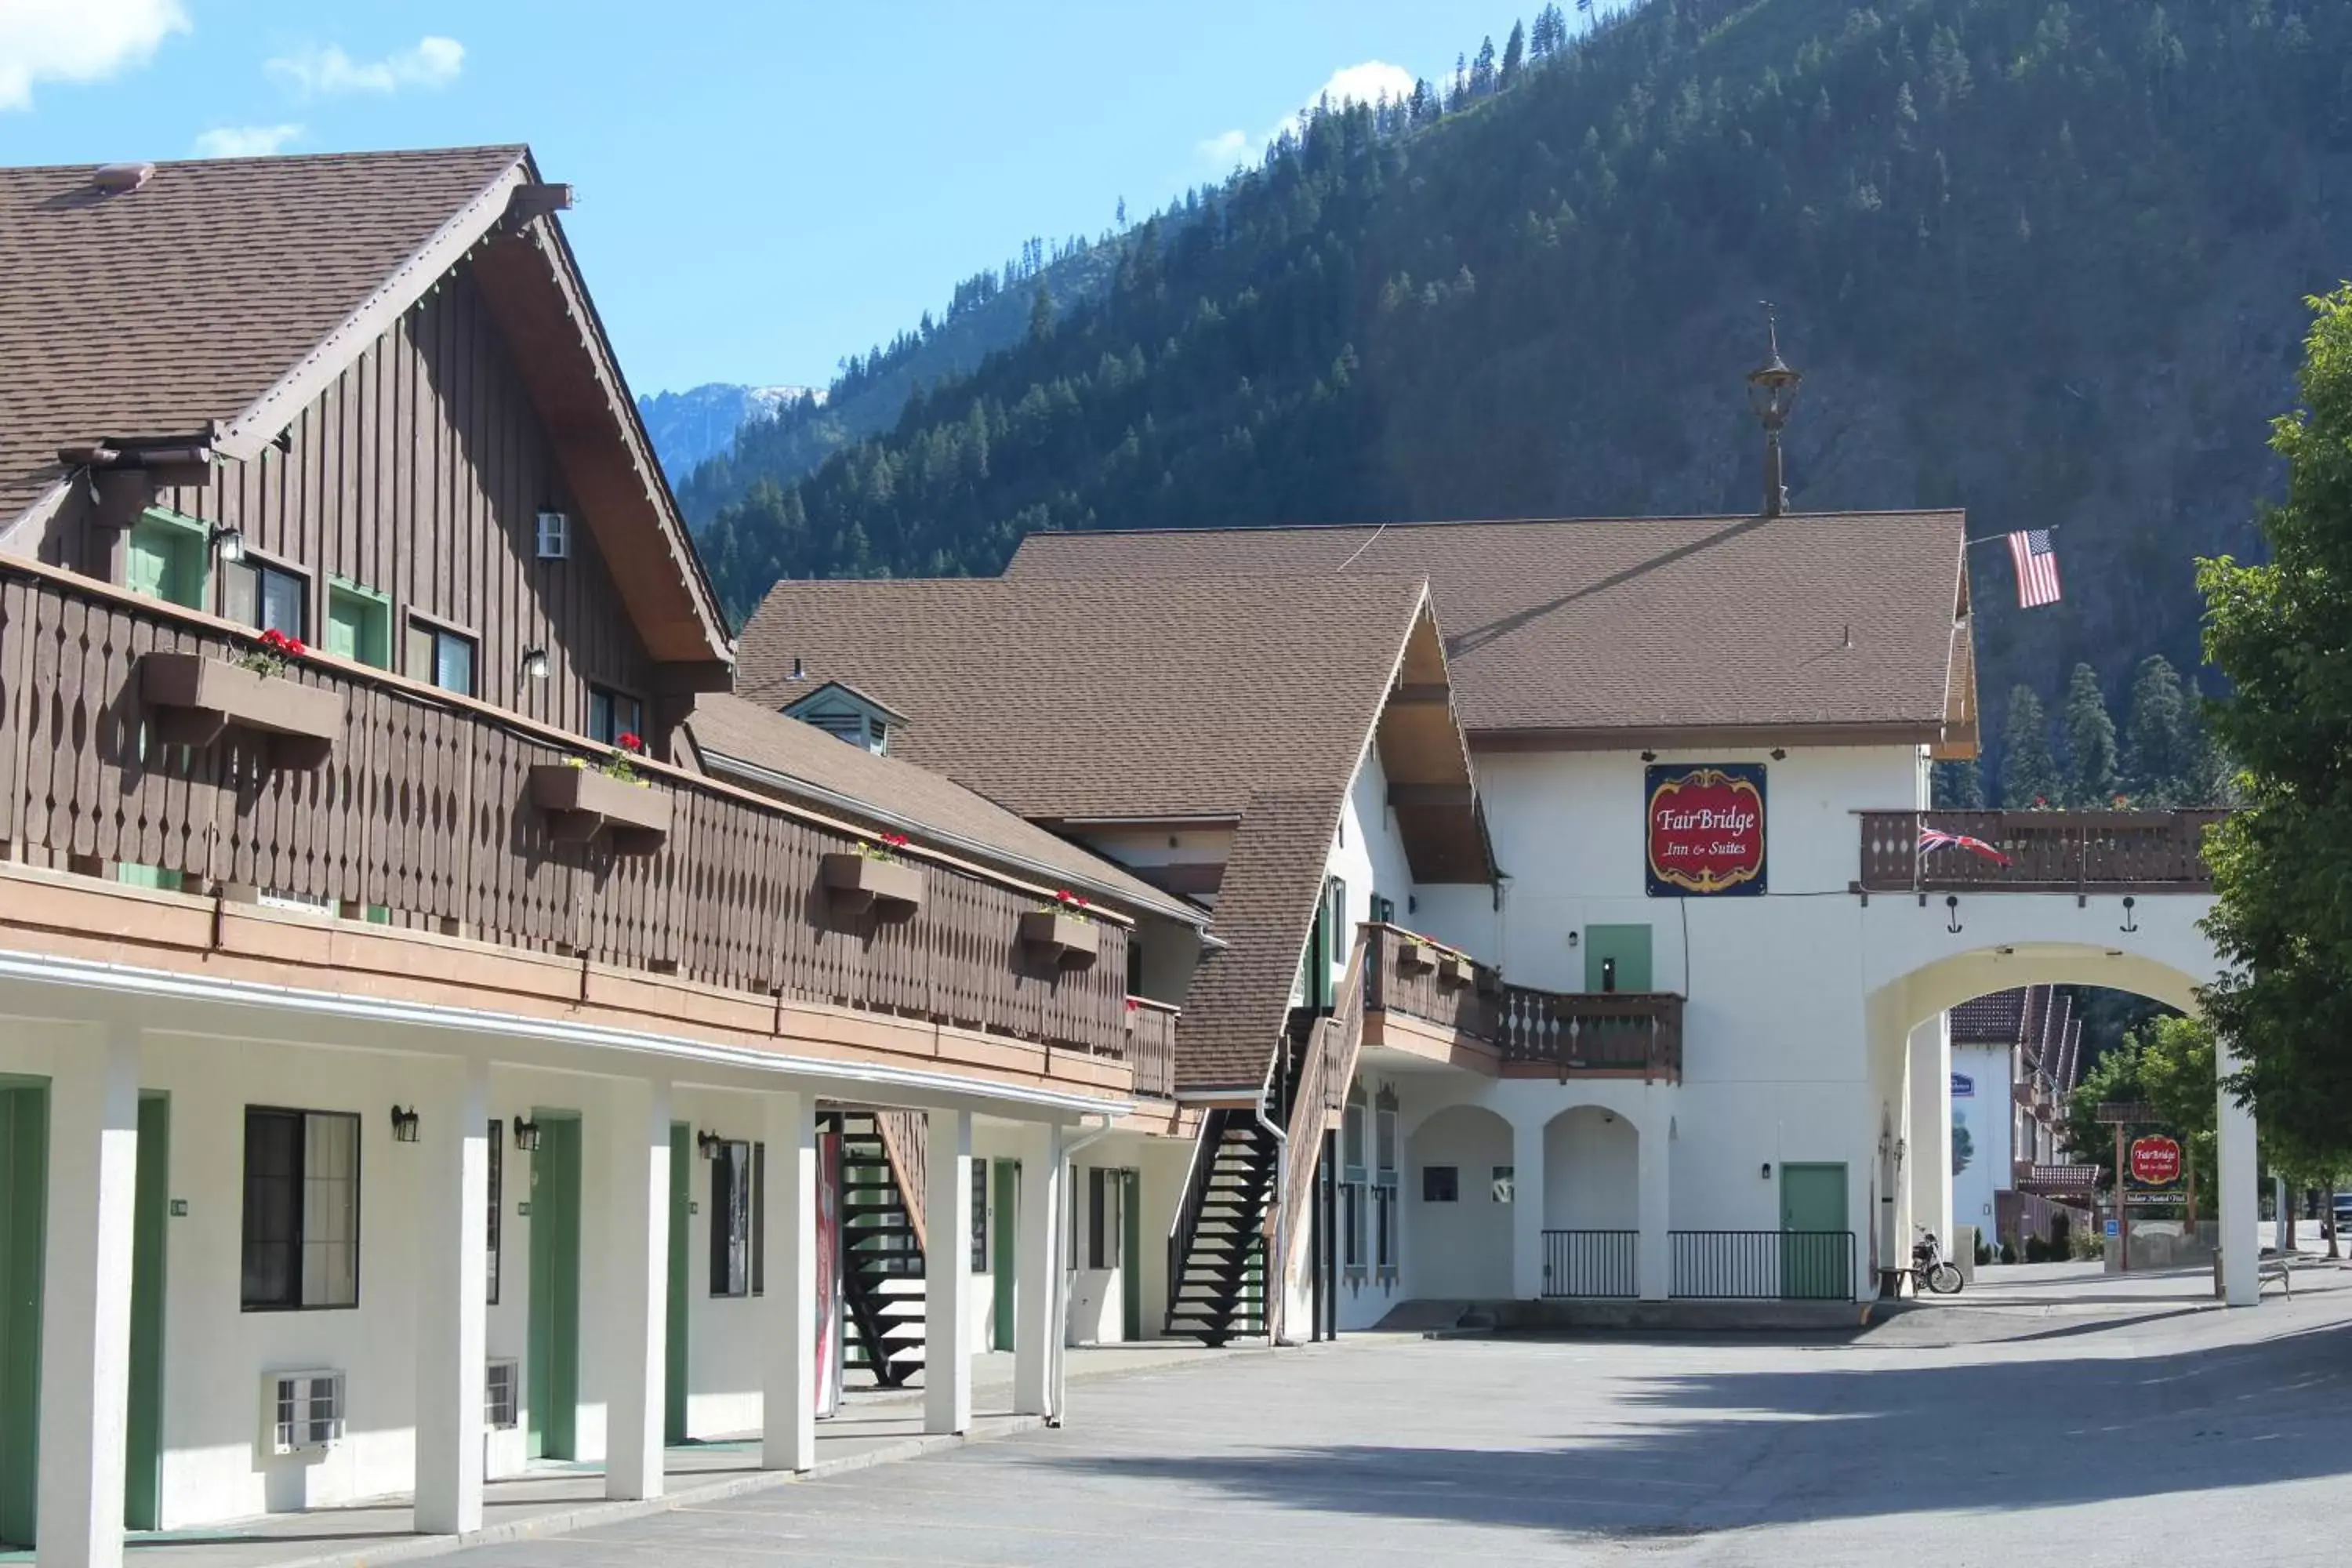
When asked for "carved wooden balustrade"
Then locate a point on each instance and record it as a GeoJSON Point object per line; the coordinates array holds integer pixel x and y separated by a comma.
{"type": "Point", "coordinates": [1599, 1032]}
{"type": "Point", "coordinates": [424, 812]}
{"type": "Point", "coordinates": [2036, 851]}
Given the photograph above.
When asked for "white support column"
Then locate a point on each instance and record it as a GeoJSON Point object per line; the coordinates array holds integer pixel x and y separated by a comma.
{"type": "Point", "coordinates": [2240, 1175]}
{"type": "Point", "coordinates": [1931, 1127]}
{"type": "Point", "coordinates": [1526, 1208]}
{"type": "Point", "coordinates": [1036, 1265]}
{"type": "Point", "coordinates": [451, 1163]}
{"type": "Point", "coordinates": [788, 1337]}
{"type": "Point", "coordinates": [1653, 1262]}
{"type": "Point", "coordinates": [85, 1297]}
{"type": "Point", "coordinates": [636, 1145]}
{"type": "Point", "coordinates": [947, 1275]}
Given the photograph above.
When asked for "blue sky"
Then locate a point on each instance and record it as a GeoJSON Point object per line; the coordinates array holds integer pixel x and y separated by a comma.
{"type": "Point", "coordinates": [763, 188]}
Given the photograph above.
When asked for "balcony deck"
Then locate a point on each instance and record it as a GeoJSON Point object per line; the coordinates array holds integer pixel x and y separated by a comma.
{"type": "Point", "coordinates": [425, 829]}
{"type": "Point", "coordinates": [1431, 1002]}
{"type": "Point", "coordinates": [2040, 852]}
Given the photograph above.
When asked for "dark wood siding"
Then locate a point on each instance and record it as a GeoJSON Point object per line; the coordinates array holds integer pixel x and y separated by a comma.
{"type": "Point", "coordinates": [420, 472]}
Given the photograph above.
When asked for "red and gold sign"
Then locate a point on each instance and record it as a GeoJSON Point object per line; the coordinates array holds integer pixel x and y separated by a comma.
{"type": "Point", "coordinates": [2155, 1161]}
{"type": "Point", "coordinates": [1706, 829]}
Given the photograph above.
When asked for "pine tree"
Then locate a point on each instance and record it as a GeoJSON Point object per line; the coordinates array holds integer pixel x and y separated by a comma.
{"type": "Point", "coordinates": [1956, 785]}
{"type": "Point", "coordinates": [2157, 735]}
{"type": "Point", "coordinates": [1482, 69]}
{"type": "Point", "coordinates": [2028, 775]}
{"type": "Point", "coordinates": [1514, 53]}
{"type": "Point", "coordinates": [2090, 743]}
{"type": "Point", "coordinates": [1041, 314]}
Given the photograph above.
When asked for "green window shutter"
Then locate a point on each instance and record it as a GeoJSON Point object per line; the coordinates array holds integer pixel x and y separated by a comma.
{"type": "Point", "coordinates": [167, 558]}
{"type": "Point", "coordinates": [358, 623]}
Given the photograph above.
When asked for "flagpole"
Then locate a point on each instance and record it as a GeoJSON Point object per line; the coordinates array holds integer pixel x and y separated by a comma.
{"type": "Point", "coordinates": [2003, 538]}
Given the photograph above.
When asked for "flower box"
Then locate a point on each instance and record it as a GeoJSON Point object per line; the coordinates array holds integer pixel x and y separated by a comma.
{"type": "Point", "coordinates": [1413, 957]}
{"type": "Point", "coordinates": [1454, 971]}
{"type": "Point", "coordinates": [1072, 940]}
{"type": "Point", "coordinates": [581, 802]}
{"type": "Point", "coordinates": [198, 698]}
{"type": "Point", "coordinates": [862, 880]}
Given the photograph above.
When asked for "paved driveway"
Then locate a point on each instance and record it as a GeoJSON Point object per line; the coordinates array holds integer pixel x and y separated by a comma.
{"type": "Point", "coordinates": [2085, 1432]}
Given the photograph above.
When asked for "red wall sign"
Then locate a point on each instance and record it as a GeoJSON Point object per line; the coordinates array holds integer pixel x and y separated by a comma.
{"type": "Point", "coordinates": [1706, 829]}
{"type": "Point", "coordinates": [2155, 1161]}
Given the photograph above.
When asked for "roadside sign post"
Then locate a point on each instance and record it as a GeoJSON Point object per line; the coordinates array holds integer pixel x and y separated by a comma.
{"type": "Point", "coordinates": [2120, 1115]}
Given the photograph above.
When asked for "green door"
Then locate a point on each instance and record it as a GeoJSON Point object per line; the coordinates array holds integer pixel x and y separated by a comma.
{"type": "Point", "coordinates": [552, 1377]}
{"type": "Point", "coordinates": [1002, 1243]}
{"type": "Point", "coordinates": [167, 560]}
{"type": "Point", "coordinates": [1816, 1248]}
{"type": "Point", "coordinates": [681, 1183]}
{"type": "Point", "coordinates": [142, 1470]}
{"type": "Point", "coordinates": [1617, 958]}
{"type": "Point", "coordinates": [1130, 1255]}
{"type": "Point", "coordinates": [23, 1207]}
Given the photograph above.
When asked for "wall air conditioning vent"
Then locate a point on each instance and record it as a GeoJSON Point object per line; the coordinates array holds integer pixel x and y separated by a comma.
{"type": "Point", "coordinates": [301, 1410]}
{"type": "Point", "coordinates": [502, 1395]}
{"type": "Point", "coordinates": [554, 536]}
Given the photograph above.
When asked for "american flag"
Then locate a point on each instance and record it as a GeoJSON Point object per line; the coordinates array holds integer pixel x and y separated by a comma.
{"type": "Point", "coordinates": [1940, 838]}
{"type": "Point", "coordinates": [2037, 567]}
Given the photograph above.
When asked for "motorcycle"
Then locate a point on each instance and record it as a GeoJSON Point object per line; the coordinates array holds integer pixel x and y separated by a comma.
{"type": "Point", "coordinates": [1931, 1271]}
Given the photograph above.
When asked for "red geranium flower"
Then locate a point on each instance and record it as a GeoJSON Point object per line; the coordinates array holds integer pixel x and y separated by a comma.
{"type": "Point", "coordinates": [628, 741]}
{"type": "Point", "coordinates": [895, 841]}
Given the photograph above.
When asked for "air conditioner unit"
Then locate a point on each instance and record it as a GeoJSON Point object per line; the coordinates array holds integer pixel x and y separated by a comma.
{"type": "Point", "coordinates": [301, 1410]}
{"type": "Point", "coordinates": [554, 536]}
{"type": "Point", "coordinates": [502, 1395]}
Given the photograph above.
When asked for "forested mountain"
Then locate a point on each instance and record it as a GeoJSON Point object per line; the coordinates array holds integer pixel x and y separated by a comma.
{"type": "Point", "coordinates": [2040, 258]}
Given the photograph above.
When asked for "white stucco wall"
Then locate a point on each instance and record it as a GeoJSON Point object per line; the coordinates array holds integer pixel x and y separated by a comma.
{"type": "Point", "coordinates": [1461, 1248]}
{"type": "Point", "coordinates": [1987, 1115]}
{"type": "Point", "coordinates": [1592, 1177]}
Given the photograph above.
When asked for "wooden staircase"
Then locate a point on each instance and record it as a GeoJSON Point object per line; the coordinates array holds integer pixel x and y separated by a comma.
{"type": "Point", "coordinates": [1217, 1251]}
{"type": "Point", "coordinates": [882, 1241]}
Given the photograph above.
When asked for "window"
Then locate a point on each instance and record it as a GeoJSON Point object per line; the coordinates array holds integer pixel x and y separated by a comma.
{"type": "Point", "coordinates": [1351, 1229]}
{"type": "Point", "coordinates": [979, 1217]}
{"type": "Point", "coordinates": [1351, 1135]}
{"type": "Point", "coordinates": [359, 623]}
{"type": "Point", "coordinates": [1441, 1185]}
{"type": "Point", "coordinates": [758, 1219]}
{"type": "Point", "coordinates": [731, 1220]}
{"type": "Point", "coordinates": [1383, 910]}
{"type": "Point", "coordinates": [266, 597]}
{"type": "Point", "coordinates": [168, 557]}
{"type": "Point", "coordinates": [440, 656]}
{"type": "Point", "coordinates": [1104, 1231]}
{"type": "Point", "coordinates": [497, 1190]}
{"type": "Point", "coordinates": [612, 715]}
{"type": "Point", "coordinates": [1334, 920]}
{"type": "Point", "coordinates": [1384, 1182]}
{"type": "Point", "coordinates": [302, 1209]}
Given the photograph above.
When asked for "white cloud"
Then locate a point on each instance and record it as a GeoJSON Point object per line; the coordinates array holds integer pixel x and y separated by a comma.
{"type": "Point", "coordinates": [78, 40]}
{"type": "Point", "coordinates": [315, 72]}
{"type": "Point", "coordinates": [244, 141]}
{"type": "Point", "coordinates": [1366, 83]}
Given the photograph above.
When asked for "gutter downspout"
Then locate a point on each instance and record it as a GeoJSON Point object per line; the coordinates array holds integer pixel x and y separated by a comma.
{"type": "Point", "coordinates": [1057, 1342]}
{"type": "Point", "coordinates": [1277, 1279]}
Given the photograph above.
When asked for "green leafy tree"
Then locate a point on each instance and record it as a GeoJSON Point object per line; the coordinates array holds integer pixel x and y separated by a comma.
{"type": "Point", "coordinates": [2283, 865]}
{"type": "Point", "coordinates": [2091, 776]}
{"type": "Point", "coordinates": [2028, 775]}
{"type": "Point", "coordinates": [1964, 1146]}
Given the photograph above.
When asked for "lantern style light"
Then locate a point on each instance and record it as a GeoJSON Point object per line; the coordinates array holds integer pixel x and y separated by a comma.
{"type": "Point", "coordinates": [526, 1135]}
{"type": "Point", "coordinates": [404, 1124]}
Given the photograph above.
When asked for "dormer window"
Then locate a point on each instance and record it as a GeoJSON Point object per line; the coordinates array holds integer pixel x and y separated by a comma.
{"type": "Point", "coordinates": [844, 712]}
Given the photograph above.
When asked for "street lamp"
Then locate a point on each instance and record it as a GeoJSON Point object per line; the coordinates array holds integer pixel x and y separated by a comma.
{"type": "Point", "coordinates": [1773, 395]}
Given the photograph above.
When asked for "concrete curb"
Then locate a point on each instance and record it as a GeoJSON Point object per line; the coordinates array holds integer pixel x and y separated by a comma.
{"type": "Point", "coordinates": [588, 1515]}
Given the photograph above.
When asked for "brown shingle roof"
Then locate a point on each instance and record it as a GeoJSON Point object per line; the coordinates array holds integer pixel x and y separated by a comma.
{"type": "Point", "coordinates": [1997, 1019]}
{"type": "Point", "coordinates": [1075, 700]}
{"type": "Point", "coordinates": [1627, 629]}
{"type": "Point", "coordinates": [153, 311]}
{"type": "Point", "coordinates": [1266, 909]}
{"type": "Point", "coordinates": [887, 793]}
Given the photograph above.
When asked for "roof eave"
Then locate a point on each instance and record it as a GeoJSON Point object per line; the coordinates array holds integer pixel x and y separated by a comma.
{"type": "Point", "coordinates": [1864, 733]}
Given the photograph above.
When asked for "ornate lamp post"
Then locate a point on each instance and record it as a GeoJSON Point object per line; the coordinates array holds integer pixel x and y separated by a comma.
{"type": "Point", "coordinates": [1772, 394]}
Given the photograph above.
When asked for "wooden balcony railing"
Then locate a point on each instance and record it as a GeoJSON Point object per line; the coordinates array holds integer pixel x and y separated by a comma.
{"type": "Point", "coordinates": [425, 811]}
{"type": "Point", "coordinates": [1612, 1032]}
{"type": "Point", "coordinates": [1151, 1046]}
{"type": "Point", "coordinates": [2039, 851]}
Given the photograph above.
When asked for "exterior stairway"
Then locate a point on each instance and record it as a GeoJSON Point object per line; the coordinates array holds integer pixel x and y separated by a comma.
{"type": "Point", "coordinates": [882, 1242]}
{"type": "Point", "coordinates": [1217, 1254]}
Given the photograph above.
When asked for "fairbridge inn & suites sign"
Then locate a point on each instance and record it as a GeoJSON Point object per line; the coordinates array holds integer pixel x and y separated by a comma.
{"type": "Point", "coordinates": [1706, 829]}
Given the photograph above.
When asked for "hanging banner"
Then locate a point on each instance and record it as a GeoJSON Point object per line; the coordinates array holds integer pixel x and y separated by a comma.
{"type": "Point", "coordinates": [828, 1275]}
{"type": "Point", "coordinates": [1706, 829]}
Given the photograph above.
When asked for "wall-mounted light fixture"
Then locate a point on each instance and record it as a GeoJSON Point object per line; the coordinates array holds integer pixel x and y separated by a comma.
{"type": "Point", "coordinates": [1780, 753]}
{"type": "Point", "coordinates": [710, 1143]}
{"type": "Point", "coordinates": [404, 1125]}
{"type": "Point", "coordinates": [534, 664]}
{"type": "Point", "coordinates": [1649, 756]}
{"type": "Point", "coordinates": [526, 1135]}
{"type": "Point", "coordinates": [1765, 1174]}
{"type": "Point", "coordinates": [227, 544]}
{"type": "Point", "coordinates": [1572, 939]}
